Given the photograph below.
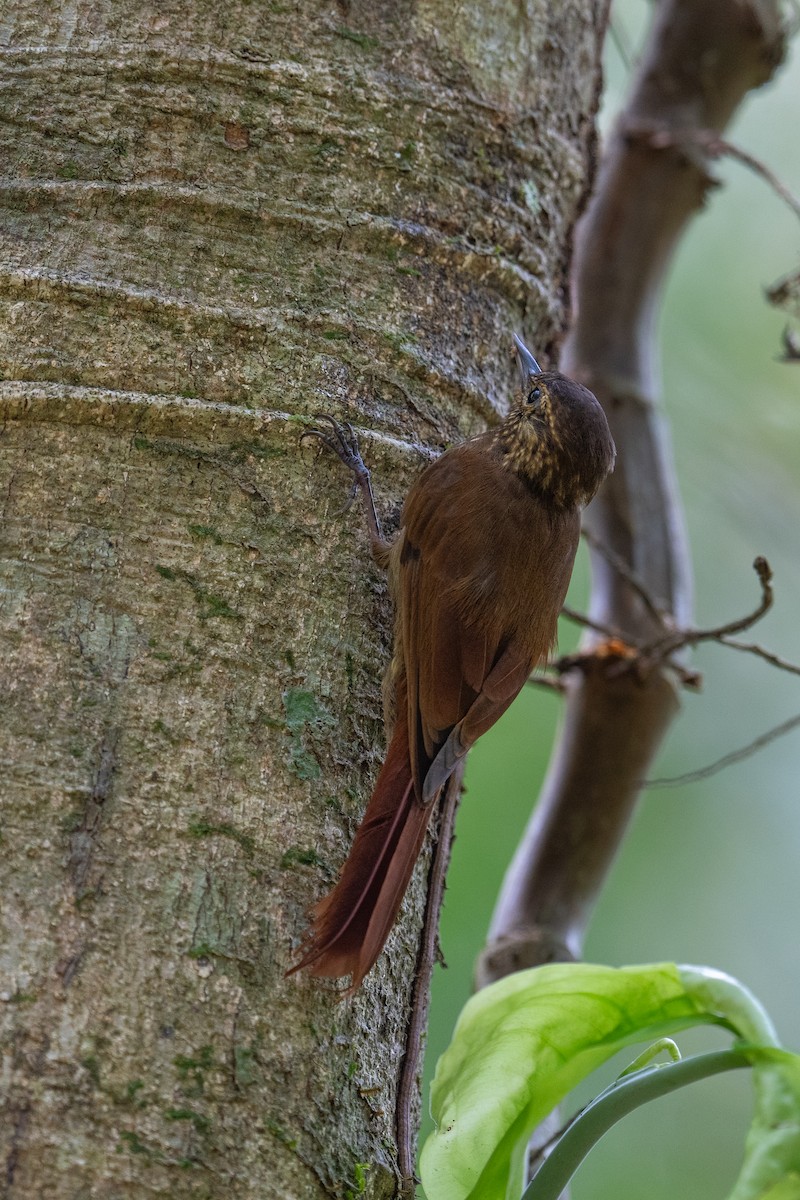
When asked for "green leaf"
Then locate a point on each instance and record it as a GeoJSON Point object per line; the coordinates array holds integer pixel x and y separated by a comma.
{"type": "Point", "coordinates": [522, 1044]}
{"type": "Point", "coordinates": [771, 1168]}
{"type": "Point", "coordinates": [519, 1047]}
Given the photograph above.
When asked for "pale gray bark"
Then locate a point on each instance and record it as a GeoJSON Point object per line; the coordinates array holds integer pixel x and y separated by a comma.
{"type": "Point", "coordinates": [702, 58]}
{"type": "Point", "coordinates": [218, 219]}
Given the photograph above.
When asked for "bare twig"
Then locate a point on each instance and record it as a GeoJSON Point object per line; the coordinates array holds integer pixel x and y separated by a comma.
{"type": "Point", "coordinates": [752, 648]}
{"type": "Point", "coordinates": [722, 146]}
{"type": "Point", "coordinates": [686, 676]}
{"type": "Point", "coordinates": [715, 147]}
{"type": "Point", "coordinates": [407, 1086]}
{"type": "Point", "coordinates": [572, 614]}
{"type": "Point", "coordinates": [662, 648]}
{"type": "Point", "coordinates": [791, 346]}
{"type": "Point", "coordinates": [727, 760]}
{"type": "Point", "coordinates": [619, 654]}
{"type": "Point", "coordinates": [619, 37]}
{"type": "Point", "coordinates": [547, 682]}
{"type": "Point", "coordinates": [627, 574]}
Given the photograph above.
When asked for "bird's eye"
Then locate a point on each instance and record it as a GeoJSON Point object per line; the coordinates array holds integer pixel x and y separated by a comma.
{"type": "Point", "coordinates": [535, 396]}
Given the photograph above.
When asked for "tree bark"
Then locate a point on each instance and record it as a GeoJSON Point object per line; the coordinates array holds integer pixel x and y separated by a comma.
{"type": "Point", "coordinates": [218, 220]}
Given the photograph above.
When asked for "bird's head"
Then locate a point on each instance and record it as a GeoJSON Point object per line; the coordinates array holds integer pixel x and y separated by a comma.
{"type": "Point", "coordinates": [556, 437]}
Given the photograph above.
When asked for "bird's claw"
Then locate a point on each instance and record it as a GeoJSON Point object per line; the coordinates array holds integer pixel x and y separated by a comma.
{"type": "Point", "coordinates": [343, 442]}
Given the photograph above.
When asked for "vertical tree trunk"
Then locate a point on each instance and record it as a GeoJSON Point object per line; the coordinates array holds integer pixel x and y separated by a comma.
{"type": "Point", "coordinates": [218, 219]}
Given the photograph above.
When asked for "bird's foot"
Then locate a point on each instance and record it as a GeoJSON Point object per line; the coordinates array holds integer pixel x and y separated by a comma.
{"type": "Point", "coordinates": [342, 440]}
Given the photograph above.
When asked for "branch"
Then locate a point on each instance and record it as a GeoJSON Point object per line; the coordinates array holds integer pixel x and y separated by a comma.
{"type": "Point", "coordinates": [548, 683]}
{"type": "Point", "coordinates": [791, 346]}
{"type": "Point", "coordinates": [642, 658]}
{"type": "Point", "coordinates": [626, 575]}
{"type": "Point", "coordinates": [727, 760]}
{"type": "Point", "coordinates": [751, 648]}
{"type": "Point", "coordinates": [408, 1090]}
{"type": "Point", "coordinates": [572, 614]}
{"type": "Point", "coordinates": [619, 656]}
{"type": "Point", "coordinates": [714, 146]}
{"type": "Point", "coordinates": [662, 648]}
{"type": "Point", "coordinates": [701, 60]}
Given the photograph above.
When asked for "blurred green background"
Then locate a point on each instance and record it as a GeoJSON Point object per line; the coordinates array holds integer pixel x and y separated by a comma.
{"type": "Point", "coordinates": [710, 872]}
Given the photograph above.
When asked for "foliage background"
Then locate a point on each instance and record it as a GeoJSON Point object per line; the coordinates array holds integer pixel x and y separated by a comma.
{"type": "Point", "coordinates": [709, 872]}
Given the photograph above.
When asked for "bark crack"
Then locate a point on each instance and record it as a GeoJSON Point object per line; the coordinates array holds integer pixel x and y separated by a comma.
{"type": "Point", "coordinates": [84, 840]}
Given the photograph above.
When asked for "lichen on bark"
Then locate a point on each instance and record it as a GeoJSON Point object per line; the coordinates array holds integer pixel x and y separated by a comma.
{"type": "Point", "coordinates": [218, 220]}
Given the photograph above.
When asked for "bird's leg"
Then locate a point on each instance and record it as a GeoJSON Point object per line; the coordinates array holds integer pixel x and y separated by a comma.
{"type": "Point", "coordinates": [342, 440]}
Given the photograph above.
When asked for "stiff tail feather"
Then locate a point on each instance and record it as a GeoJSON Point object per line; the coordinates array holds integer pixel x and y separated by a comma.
{"type": "Point", "coordinates": [350, 925]}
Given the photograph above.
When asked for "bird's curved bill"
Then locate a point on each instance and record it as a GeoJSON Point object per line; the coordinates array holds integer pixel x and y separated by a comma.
{"type": "Point", "coordinates": [527, 363]}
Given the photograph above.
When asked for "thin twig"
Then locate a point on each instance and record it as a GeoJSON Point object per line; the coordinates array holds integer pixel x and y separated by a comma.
{"type": "Point", "coordinates": [791, 345]}
{"type": "Point", "coordinates": [727, 760]}
{"type": "Point", "coordinates": [693, 680]}
{"type": "Point", "coordinates": [622, 42]}
{"type": "Point", "coordinates": [752, 648]}
{"type": "Point", "coordinates": [715, 146]}
{"type": "Point", "coordinates": [609, 631]}
{"type": "Point", "coordinates": [627, 573]}
{"type": "Point", "coordinates": [663, 647]}
{"type": "Point", "coordinates": [547, 682]}
{"type": "Point", "coordinates": [625, 654]}
{"type": "Point", "coordinates": [644, 657]}
{"type": "Point", "coordinates": [407, 1089]}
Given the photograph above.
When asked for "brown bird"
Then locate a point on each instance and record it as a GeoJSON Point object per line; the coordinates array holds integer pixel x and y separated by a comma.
{"type": "Point", "coordinates": [478, 574]}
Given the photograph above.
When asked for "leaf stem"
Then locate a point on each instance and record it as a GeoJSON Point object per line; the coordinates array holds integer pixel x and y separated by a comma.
{"type": "Point", "coordinates": [628, 1093]}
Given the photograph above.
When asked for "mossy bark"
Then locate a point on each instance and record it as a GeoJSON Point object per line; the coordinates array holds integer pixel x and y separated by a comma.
{"type": "Point", "coordinates": [217, 220]}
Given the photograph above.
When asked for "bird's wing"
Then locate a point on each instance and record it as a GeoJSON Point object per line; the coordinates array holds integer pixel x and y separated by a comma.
{"type": "Point", "coordinates": [479, 576]}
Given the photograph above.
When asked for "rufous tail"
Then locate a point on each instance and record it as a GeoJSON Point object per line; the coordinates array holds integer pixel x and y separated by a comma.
{"type": "Point", "coordinates": [350, 925]}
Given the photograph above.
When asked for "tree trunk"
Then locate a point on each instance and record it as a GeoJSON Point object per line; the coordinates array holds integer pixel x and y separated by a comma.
{"type": "Point", "coordinates": [219, 219]}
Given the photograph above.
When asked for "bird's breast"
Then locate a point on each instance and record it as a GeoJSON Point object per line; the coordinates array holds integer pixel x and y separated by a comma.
{"type": "Point", "coordinates": [482, 545]}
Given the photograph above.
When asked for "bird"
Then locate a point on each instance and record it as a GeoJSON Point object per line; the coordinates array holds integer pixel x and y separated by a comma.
{"type": "Point", "coordinates": [478, 573]}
